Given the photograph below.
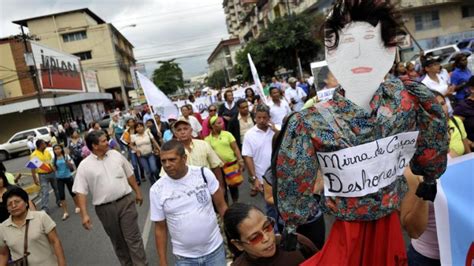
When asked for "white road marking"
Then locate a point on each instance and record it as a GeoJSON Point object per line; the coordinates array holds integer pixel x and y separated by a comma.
{"type": "Point", "coordinates": [146, 229]}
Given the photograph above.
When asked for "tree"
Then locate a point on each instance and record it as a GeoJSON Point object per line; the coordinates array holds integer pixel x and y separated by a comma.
{"type": "Point", "coordinates": [168, 77]}
{"type": "Point", "coordinates": [280, 43]}
{"type": "Point", "coordinates": [217, 79]}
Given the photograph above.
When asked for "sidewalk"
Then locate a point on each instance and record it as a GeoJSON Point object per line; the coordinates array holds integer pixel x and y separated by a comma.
{"type": "Point", "coordinates": [26, 182]}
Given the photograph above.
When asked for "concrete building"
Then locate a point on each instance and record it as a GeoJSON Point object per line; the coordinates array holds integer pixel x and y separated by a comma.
{"type": "Point", "coordinates": [223, 57]}
{"type": "Point", "coordinates": [64, 92]}
{"type": "Point", "coordinates": [99, 44]}
{"type": "Point", "coordinates": [435, 23]}
{"type": "Point", "coordinates": [246, 19]}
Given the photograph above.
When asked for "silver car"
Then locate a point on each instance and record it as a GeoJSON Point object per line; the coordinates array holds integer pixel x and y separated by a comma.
{"type": "Point", "coordinates": [18, 142]}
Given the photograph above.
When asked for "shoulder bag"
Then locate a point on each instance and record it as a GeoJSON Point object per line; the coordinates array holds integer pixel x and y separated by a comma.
{"type": "Point", "coordinates": [23, 261]}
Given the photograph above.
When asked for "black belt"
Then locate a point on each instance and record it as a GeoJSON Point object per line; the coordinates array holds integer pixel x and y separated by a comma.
{"type": "Point", "coordinates": [114, 201]}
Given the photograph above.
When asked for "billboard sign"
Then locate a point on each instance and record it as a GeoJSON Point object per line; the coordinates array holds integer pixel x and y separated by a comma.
{"type": "Point", "coordinates": [90, 78]}
{"type": "Point", "coordinates": [57, 71]}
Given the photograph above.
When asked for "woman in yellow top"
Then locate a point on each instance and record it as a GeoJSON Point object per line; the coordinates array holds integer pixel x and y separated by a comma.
{"type": "Point", "coordinates": [458, 142]}
{"type": "Point", "coordinates": [223, 143]}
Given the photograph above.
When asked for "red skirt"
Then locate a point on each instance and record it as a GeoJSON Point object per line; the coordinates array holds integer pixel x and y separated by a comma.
{"type": "Point", "coordinates": [371, 243]}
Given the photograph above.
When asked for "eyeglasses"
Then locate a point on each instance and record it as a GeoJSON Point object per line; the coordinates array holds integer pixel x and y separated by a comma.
{"type": "Point", "coordinates": [212, 110]}
{"type": "Point", "coordinates": [258, 237]}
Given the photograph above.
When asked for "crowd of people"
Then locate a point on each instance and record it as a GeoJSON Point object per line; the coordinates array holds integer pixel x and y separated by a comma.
{"type": "Point", "coordinates": [196, 164]}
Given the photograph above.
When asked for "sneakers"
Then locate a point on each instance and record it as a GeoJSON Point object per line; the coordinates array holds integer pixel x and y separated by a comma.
{"type": "Point", "coordinates": [65, 216]}
{"type": "Point", "coordinates": [77, 210]}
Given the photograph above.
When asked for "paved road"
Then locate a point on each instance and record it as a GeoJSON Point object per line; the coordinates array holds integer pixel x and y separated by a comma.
{"type": "Point", "coordinates": [94, 247]}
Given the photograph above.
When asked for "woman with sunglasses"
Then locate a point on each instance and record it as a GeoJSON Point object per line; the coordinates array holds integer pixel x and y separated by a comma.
{"type": "Point", "coordinates": [212, 110]}
{"type": "Point", "coordinates": [252, 239]}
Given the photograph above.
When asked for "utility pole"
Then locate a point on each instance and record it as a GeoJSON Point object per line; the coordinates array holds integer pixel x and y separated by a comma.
{"type": "Point", "coordinates": [32, 67]}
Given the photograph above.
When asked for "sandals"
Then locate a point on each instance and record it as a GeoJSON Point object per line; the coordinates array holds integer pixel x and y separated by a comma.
{"type": "Point", "coordinates": [65, 216]}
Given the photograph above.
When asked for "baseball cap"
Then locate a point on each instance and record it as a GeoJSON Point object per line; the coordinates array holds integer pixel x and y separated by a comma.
{"type": "Point", "coordinates": [429, 60]}
{"type": "Point", "coordinates": [180, 121]}
{"type": "Point", "coordinates": [171, 117]}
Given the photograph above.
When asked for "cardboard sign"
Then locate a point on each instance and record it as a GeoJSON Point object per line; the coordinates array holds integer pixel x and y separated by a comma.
{"type": "Point", "coordinates": [360, 61]}
{"type": "Point", "coordinates": [325, 94]}
{"type": "Point", "coordinates": [367, 168]}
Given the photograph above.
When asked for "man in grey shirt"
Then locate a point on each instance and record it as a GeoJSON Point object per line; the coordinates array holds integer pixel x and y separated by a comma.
{"type": "Point", "coordinates": [108, 176]}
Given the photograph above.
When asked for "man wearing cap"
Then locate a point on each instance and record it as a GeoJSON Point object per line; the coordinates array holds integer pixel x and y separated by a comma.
{"type": "Point", "coordinates": [193, 121]}
{"type": "Point", "coordinates": [295, 95]}
{"type": "Point", "coordinates": [199, 152]}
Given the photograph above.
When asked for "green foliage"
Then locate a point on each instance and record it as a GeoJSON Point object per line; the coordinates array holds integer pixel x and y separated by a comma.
{"type": "Point", "coordinates": [279, 44]}
{"type": "Point", "coordinates": [168, 77]}
{"type": "Point", "coordinates": [217, 79]}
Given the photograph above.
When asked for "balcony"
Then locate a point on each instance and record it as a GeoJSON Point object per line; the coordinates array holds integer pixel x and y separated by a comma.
{"type": "Point", "coordinates": [408, 4]}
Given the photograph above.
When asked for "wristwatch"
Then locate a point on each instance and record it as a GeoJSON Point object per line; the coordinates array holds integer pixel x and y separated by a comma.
{"type": "Point", "coordinates": [252, 179]}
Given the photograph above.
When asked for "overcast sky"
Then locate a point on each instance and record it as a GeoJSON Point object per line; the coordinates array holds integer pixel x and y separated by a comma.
{"type": "Point", "coordinates": [165, 28]}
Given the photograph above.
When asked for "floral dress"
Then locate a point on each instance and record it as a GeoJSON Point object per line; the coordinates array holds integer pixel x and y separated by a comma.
{"type": "Point", "coordinates": [338, 124]}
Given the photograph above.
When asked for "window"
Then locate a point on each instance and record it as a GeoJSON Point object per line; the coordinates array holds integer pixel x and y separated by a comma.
{"type": "Point", "coordinates": [22, 136]}
{"type": "Point", "coordinates": [43, 131]}
{"type": "Point", "coordinates": [75, 36]}
{"type": "Point", "coordinates": [467, 11]}
{"type": "Point", "coordinates": [427, 20]}
{"type": "Point", "coordinates": [84, 55]}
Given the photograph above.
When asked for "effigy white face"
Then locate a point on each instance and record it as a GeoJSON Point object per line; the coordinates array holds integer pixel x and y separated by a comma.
{"type": "Point", "coordinates": [360, 61]}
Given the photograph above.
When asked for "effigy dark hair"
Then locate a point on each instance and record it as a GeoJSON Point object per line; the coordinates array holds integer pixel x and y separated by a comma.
{"type": "Point", "coordinates": [373, 12]}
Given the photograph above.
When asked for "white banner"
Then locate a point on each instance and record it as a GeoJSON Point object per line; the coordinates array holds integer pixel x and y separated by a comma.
{"type": "Point", "coordinates": [367, 168]}
{"type": "Point", "coordinates": [162, 105]}
{"type": "Point", "coordinates": [256, 79]}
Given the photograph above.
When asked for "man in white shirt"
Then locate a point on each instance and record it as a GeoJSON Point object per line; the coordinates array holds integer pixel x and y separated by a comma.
{"type": "Point", "coordinates": [108, 176]}
{"type": "Point", "coordinates": [181, 203]}
{"type": "Point", "coordinates": [295, 95]}
{"type": "Point", "coordinates": [257, 147]}
{"type": "Point", "coordinates": [279, 108]}
{"type": "Point", "coordinates": [195, 125]}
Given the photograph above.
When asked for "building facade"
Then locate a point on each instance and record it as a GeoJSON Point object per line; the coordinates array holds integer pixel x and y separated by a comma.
{"type": "Point", "coordinates": [246, 19]}
{"type": "Point", "coordinates": [223, 57]}
{"type": "Point", "coordinates": [101, 47]}
{"type": "Point", "coordinates": [436, 23]}
{"type": "Point", "coordinates": [60, 88]}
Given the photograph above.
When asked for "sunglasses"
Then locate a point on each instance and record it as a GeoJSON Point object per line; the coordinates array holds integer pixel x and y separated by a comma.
{"type": "Point", "coordinates": [258, 237]}
{"type": "Point", "coordinates": [212, 110]}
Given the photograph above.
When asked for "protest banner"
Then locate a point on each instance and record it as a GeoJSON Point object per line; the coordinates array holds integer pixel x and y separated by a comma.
{"type": "Point", "coordinates": [454, 212]}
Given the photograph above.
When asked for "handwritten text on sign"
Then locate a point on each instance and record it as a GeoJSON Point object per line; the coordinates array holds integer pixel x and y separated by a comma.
{"type": "Point", "coordinates": [367, 168]}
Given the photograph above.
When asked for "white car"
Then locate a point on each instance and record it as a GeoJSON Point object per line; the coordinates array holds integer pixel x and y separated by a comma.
{"type": "Point", "coordinates": [18, 142]}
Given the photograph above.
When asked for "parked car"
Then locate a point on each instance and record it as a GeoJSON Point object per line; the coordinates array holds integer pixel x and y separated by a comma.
{"type": "Point", "coordinates": [466, 45]}
{"type": "Point", "coordinates": [443, 53]}
{"type": "Point", "coordinates": [18, 142]}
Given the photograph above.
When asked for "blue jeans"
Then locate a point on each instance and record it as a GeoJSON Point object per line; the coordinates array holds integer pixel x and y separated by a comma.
{"type": "Point", "coordinates": [215, 258]}
{"type": "Point", "coordinates": [45, 180]}
{"type": "Point", "coordinates": [134, 160]}
{"type": "Point", "coordinates": [148, 162]}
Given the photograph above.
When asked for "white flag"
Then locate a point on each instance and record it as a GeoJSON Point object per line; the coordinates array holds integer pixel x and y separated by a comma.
{"type": "Point", "coordinates": [156, 98]}
{"type": "Point", "coordinates": [256, 80]}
